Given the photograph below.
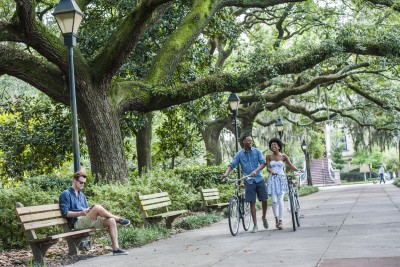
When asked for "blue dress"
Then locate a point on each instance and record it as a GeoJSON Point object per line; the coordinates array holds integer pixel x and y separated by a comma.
{"type": "Point", "coordinates": [277, 184]}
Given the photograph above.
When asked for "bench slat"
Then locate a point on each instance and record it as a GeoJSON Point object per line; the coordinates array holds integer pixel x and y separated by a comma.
{"type": "Point", "coordinates": [59, 236]}
{"type": "Point", "coordinates": [207, 190]}
{"type": "Point", "coordinates": [210, 194]}
{"type": "Point", "coordinates": [168, 214]}
{"type": "Point", "coordinates": [45, 223]}
{"type": "Point", "coordinates": [156, 195]}
{"type": "Point", "coordinates": [155, 200]}
{"type": "Point", "coordinates": [34, 209]}
{"type": "Point", "coordinates": [211, 198]}
{"type": "Point", "coordinates": [40, 216]}
{"type": "Point", "coordinates": [157, 205]}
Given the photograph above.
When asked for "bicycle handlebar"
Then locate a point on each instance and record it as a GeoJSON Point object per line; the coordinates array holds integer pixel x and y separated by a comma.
{"type": "Point", "coordinates": [247, 177]}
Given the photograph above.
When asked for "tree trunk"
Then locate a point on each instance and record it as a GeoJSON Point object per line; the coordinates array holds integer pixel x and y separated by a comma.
{"type": "Point", "coordinates": [143, 145]}
{"type": "Point", "coordinates": [211, 140]}
{"type": "Point", "coordinates": [103, 137]}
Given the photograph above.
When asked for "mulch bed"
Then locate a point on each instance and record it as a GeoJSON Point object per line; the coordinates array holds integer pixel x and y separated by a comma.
{"type": "Point", "coordinates": [56, 256]}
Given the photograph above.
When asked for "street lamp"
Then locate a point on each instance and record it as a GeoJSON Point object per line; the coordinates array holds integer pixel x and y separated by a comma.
{"type": "Point", "coordinates": [308, 169]}
{"type": "Point", "coordinates": [234, 101]}
{"type": "Point", "coordinates": [279, 127]}
{"type": "Point", "coordinates": [69, 16]}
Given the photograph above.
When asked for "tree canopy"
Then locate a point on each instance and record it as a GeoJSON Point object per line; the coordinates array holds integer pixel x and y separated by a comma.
{"type": "Point", "coordinates": [310, 61]}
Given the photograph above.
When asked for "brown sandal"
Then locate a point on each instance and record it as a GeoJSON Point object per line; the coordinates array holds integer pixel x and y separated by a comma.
{"type": "Point", "coordinates": [280, 226]}
{"type": "Point", "coordinates": [277, 222]}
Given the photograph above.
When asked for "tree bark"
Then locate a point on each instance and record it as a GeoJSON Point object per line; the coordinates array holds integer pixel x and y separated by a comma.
{"type": "Point", "coordinates": [103, 137]}
{"type": "Point", "coordinates": [211, 140]}
{"type": "Point", "coordinates": [143, 145]}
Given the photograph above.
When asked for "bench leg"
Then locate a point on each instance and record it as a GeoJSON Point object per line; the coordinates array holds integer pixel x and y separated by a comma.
{"type": "Point", "coordinates": [39, 252]}
{"type": "Point", "coordinates": [169, 221]}
{"type": "Point", "coordinates": [73, 244]}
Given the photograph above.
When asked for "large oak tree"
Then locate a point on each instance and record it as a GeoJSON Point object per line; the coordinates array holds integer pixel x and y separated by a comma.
{"type": "Point", "coordinates": [32, 50]}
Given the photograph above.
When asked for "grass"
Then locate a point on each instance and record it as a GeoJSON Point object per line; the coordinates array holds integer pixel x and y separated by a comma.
{"type": "Point", "coordinates": [198, 221]}
{"type": "Point", "coordinates": [129, 237]}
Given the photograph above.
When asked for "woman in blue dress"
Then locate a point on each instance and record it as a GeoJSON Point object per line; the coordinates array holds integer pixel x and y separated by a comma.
{"type": "Point", "coordinates": [277, 183]}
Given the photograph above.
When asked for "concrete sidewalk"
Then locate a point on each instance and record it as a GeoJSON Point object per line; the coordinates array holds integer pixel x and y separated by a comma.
{"type": "Point", "coordinates": [347, 225]}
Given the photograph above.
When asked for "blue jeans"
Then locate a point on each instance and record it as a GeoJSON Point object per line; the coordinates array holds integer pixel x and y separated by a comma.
{"type": "Point", "coordinates": [382, 178]}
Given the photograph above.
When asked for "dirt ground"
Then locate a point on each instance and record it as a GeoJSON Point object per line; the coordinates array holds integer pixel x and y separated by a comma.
{"type": "Point", "coordinates": [56, 256]}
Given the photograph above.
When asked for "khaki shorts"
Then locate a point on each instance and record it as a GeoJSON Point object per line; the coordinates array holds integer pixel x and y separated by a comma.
{"type": "Point", "coordinates": [86, 222]}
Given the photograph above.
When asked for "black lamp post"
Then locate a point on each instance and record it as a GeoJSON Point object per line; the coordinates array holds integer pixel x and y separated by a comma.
{"type": "Point", "coordinates": [308, 169]}
{"type": "Point", "coordinates": [234, 101]}
{"type": "Point", "coordinates": [69, 17]}
{"type": "Point", "coordinates": [279, 127]}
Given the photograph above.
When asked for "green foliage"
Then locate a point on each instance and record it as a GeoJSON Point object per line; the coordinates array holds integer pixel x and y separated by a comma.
{"type": "Point", "coordinates": [307, 190]}
{"type": "Point", "coordinates": [129, 237]}
{"type": "Point", "coordinates": [35, 137]}
{"type": "Point", "coordinates": [357, 176]}
{"type": "Point", "coordinates": [177, 137]}
{"type": "Point", "coordinates": [121, 200]}
{"type": "Point", "coordinates": [197, 221]}
{"type": "Point", "coordinates": [375, 158]}
{"type": "Point", "coordinates": [396, 182]}
{"type": "Point", "coordinates": [50, 183]}
{"type": "Point", "coordinates": [11, 232]}
{"type": "Point", "coordinates": [201, 176]}
{"type": "Point", "coordinates": [338, 142]}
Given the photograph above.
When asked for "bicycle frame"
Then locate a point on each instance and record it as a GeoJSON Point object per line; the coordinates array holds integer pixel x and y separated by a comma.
{"type": "Point", "coordinates": [294, 202]}
{"type": "Point", "coordinates": [239, 209]}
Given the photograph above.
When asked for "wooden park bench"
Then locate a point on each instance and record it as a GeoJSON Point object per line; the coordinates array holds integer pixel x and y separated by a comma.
{"type": "Point", "coordinates": [154, 208]}
{"type": "Point", "coordinates": [210, 199]}
{"type": "Point", "coordinates": [46, 216]}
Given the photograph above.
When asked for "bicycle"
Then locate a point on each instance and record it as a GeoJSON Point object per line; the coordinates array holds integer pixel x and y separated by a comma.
{"type": "Point", "coordinates": [239, 209]}
{"type": "Point", "coordinates": [293, 200]}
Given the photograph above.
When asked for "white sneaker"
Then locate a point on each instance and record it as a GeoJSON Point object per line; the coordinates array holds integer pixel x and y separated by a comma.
{"type": "Point", "coordinates": [255, 229]}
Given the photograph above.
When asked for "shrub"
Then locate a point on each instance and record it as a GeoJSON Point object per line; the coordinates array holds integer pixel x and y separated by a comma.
{"type": "Point", "coordinates": [202, 176]}
{"type": "Point", "coordinates": [356, 176]}
{"type": "Point", "coordinates": [197, 221]}
{"type": "Point", "coordinates": [11, 232]}
{"type": "Point", "coordinates": [133, 237]}
{"type": "Point", "coordinates": [49, 182]}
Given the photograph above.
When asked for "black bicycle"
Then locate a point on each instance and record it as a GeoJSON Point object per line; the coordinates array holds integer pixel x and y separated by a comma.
{"type": "Point", "coordinates": [294, 199]}
{"type": "Point", "coordinates": [239, 209]}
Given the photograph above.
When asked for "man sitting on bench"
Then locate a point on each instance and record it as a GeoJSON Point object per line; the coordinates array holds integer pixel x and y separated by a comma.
{"type": "Point", "coordinates": [74, 207]}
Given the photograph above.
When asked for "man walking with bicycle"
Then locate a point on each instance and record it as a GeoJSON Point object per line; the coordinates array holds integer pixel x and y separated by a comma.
{"type": "Point", "coordinates": [252, 162]}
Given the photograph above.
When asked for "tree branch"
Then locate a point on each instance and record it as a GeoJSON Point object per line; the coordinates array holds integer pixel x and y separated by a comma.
{"type": "Point", "coordinates": [121, 43]}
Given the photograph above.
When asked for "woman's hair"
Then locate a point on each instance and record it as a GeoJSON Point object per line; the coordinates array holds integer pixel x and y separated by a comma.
{"type": "Point", "coordinates": [276, 140]}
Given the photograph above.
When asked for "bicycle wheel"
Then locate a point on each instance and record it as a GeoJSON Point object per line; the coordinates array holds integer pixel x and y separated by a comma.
{"type": "Point", "coordinates": [234, 215]}
{"type": "Point", "coordinates": [292, 207]}
{"type": "Point", "coordinates": [297, 208]}
{"type": "Point", "coordinates": [246, 214]}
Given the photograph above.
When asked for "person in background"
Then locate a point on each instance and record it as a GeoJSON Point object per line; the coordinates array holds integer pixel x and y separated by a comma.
{"type": "Point", "coordinates": [277, 182]}
{"type": "Point", "coordinates": [252, 162]}
{"type": "Point", "coordinates": [381, 173]}
{"type": "Point", "coordinates": [74, 207]}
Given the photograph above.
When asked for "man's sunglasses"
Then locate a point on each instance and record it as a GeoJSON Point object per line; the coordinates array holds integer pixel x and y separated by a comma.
{"type": "Point", "coordinates": [81, 182]}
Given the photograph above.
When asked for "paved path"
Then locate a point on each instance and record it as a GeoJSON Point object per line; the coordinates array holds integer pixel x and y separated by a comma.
{"type": "Point", "coordinates": [347, 225]}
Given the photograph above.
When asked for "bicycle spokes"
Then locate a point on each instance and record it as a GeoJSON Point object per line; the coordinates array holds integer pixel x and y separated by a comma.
{"type": "Point", "coordinates": [234, 215]}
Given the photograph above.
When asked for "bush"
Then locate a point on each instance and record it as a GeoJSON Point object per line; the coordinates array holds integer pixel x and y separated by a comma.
{"type": "Point", "coordinates": [11, 233]}
{"type": "Point", "coordinates": [49, 182]}
{"type": "Point", "coordinates": [202, 176]}
{"type": "Point", "coordinates": [356, 176]}
{"type": "Point", "coordinates": [134, 237]}
{"type": "Point", "coordinates": [197, 221]}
